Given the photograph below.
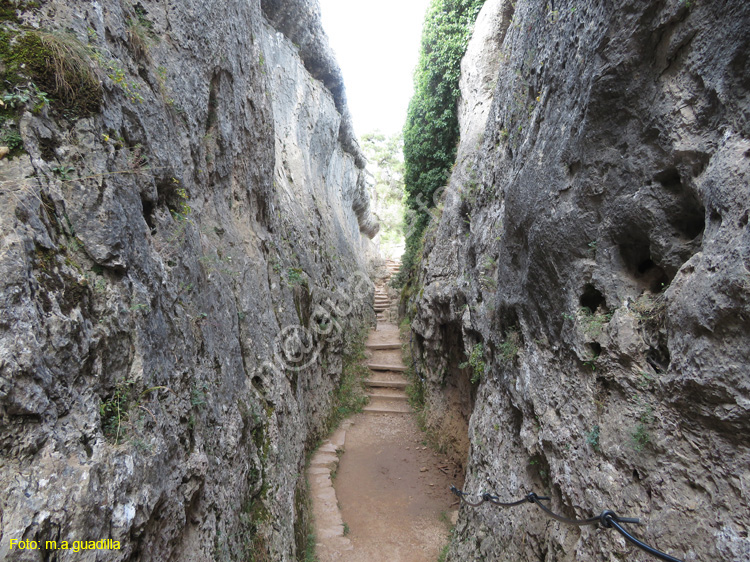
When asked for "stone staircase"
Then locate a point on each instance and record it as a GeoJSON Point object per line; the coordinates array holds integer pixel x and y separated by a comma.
{"type": "Point", "coordinates": [385, 308]}
{"type": "Point", "coordinates": [387, 384]}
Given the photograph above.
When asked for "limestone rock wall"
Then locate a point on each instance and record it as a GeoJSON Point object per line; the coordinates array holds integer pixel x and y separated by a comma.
{"type": "Point", "coordinates": [592, 250]}
{"type": "Point", "coordinates": [177, 273]}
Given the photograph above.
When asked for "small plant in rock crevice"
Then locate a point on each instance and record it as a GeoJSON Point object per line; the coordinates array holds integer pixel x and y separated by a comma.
{"type": "Point", "coordinates": [640, 436]}
{"type": "Point", "coordinates": [115, 411]}
{"type": "Point", "coordinates": [592, 438]}
{"type": "Point", "coordinates": [593, 322]}
{"type": "Point", "coordinates": [198, 395]}
{"type": "Point", "coordinates": [63, 172]}
{"type": "Point", "coordinates": [122, 413]}
{"type": "Point", "coordinates": [646, 380]}
{"type": "Point", "coordinates": [12, 139]}
{"type": "Point", "coordinates": [294, 276]}
{"type": "Point", "coordinates": [475, 360]}
{"type": "Point", "coordinates": [511, 346]}
{"type": "Point", "coordinates": [591, 363]}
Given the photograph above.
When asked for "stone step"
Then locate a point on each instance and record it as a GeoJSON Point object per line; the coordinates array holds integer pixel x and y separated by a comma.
{"type": "Point", "coordinates": [324, 460]}
{"type": "Point", "coordinates": [386, 394]}
{"type": "Point", "coordinates": [333, 547]}
{"type": "Point", "coordinates": [389, 376]}
{"type": "Point", "coordinates": [385, 356]}
{"type": "Point", "coordinates": [396, 368]}
{"type": "Point", "coordinates": [386, 410]}
{"type": "Point", "coordinates": [376, 346]}
{"type": "Point", "coordinates": [385, 384]}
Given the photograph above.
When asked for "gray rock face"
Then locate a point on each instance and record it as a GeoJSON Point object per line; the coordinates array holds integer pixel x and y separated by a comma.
{"type": "Point", "coordinates": [594, 252]}
{"type": "Point", "coordinates": [177, 275]}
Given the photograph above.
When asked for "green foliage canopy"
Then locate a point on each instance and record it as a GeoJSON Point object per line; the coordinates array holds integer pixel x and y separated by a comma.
{"type": "Point", "coordinates": [431, 131]}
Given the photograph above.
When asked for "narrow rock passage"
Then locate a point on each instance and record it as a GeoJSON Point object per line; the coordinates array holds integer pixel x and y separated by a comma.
{"type": "Point", "coordinates": [384, 496]}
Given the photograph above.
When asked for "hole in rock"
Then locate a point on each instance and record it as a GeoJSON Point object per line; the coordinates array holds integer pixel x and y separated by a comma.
{"type": "Point", "coordinates": [636, 476]}
{"type": "Point", "coordinates": [47, 148]}
{"type": "Point", "coordinates": [213, 104]}
{"type": "Point", "coordinates": [636, 255]}
{"type": "Point", "coordinates": [743, 220]}
{"type": "Point", "coordinates": [658, 358]}
{"type": "Point", "coordinates": [690, 218]}
{"type": "Point", "coordinates": [85, 441]}
{"type": "Point", "coordinates": [645, 266]}
{"type": "Point", "coordinates": [592, 298]}
{"type": "Point", "coordinates": [170, 195]}
{"type": "Point", "coordinates": [148, 214]}
{"type": "Point", "coordinates": [471, 258]}
{"type": "Point", "coordinates": [692, 226]}
{"type": "Point", "coordinates": [595, 348]}
{"type": "Point", "coordinates": [653, 276]}
{"type": "Point", "coordinates": [670, 179]}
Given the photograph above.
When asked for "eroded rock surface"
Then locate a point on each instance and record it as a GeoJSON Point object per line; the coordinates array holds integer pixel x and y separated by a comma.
{"type": "Point", "coordinates": [593, 254]}
{"type": "Point", "coordinates": [154, 259]}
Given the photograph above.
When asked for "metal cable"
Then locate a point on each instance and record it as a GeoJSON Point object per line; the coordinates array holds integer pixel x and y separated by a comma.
{"type": "Point", "coordinates": [608, 519]}
{"type": "Point", "coordinates": [490, 498]}
{"type": "Point", "coordinates": [646, 548]}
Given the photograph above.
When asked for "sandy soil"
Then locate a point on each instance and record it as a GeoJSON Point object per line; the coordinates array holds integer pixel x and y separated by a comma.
{"type": "Point", "coordinates": [393, 495]}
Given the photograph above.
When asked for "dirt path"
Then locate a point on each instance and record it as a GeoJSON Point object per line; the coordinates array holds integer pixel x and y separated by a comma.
{"type": "Point", "coordinates": [385, 495]}
{"type": "Point", "coordinates": [393, 497]}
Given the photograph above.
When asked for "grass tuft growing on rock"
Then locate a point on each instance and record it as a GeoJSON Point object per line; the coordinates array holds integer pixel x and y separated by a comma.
{"type": "Point", "coordinates": [59, 64]}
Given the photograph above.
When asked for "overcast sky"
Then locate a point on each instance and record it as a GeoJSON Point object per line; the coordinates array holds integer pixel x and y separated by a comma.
{"type": "Point", "coordinates": [377, 46]}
